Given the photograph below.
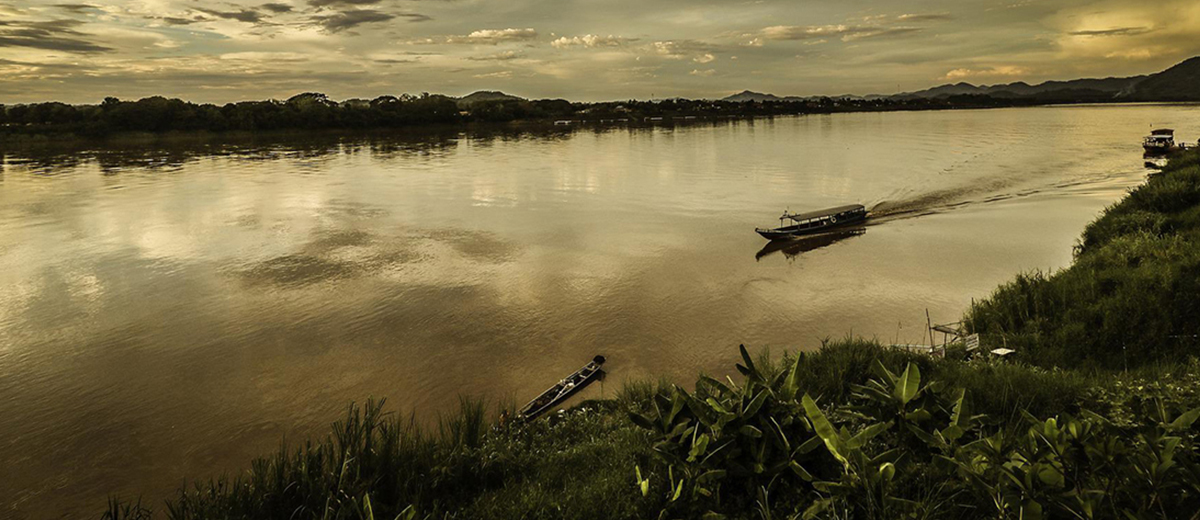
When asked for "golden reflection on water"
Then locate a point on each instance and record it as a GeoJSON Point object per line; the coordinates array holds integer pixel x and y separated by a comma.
{"type": "Point", "coordinates": [169, 312]}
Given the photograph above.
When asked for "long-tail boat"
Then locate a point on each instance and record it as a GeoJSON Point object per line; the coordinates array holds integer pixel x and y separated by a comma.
{"type": "Point", "coordinates": [562, 390]}
{"type": "Point", "coordinates": [814, 221]}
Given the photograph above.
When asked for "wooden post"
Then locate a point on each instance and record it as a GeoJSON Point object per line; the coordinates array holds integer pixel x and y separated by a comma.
{"type": "Point", "coordinates": [929, 325]}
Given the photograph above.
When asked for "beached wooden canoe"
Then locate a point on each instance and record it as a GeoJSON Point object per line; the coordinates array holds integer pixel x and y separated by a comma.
{"type": "Point", "coordinates": [562, 390]}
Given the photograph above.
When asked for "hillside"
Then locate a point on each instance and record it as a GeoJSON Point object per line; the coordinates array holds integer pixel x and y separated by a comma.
{"type": "Point", "coordinates": [1178, 83]}
{"type": "Point", "coordinates": [486, 95]}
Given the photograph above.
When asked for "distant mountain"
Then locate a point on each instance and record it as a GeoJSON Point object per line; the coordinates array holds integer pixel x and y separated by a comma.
{"type": "Point", "coordinates": [1178, 83]}
{"type": "Point", "coordinates": [748, 95]}
{"type": "Point", "coordinates": [1100, 88]}
{"type": "Point", "coordinates": [486, 95]}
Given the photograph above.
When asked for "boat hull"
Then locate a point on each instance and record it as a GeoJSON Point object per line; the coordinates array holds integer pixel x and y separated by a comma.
{"type": "Point", "coordinates": [558, 393]}
{"type": "Point", "coordinates": [789, 232]}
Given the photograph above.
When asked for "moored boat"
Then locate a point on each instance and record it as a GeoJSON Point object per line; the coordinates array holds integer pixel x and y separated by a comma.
{"type": "Point", "coordinates": [1160, 141]}
{"type": "Point", "coordinates": [814, 221]}
{"type": "Point", "coordinates": [562, 390]}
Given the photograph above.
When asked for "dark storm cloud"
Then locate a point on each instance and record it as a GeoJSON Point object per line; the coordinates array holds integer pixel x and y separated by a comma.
{"type": "Point", "coordinates": [178, 21]}
{"type": "Point", "coordinates": [245, 15]}
{"type": "Point", "coordinates": [1117, 31]}
{"type": "Point", "coordinates": [75, 8]}
{"type": "Point", "coordinates": [350, 19]}
{"type": "Point", "coordinates": [54, 35]}
{"type": "Point", "coordinates": [277, 8]}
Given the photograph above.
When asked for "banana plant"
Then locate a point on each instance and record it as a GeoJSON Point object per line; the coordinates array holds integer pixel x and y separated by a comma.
{"type": "Point", "coordinates": [908, 406]}
{"type": "Point", "coordinates": [750, 435]}
{"type": "Point", "coordinates": [865, 482]}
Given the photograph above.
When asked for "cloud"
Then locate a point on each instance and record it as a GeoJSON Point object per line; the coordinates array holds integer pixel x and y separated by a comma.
{"type": "Point", "coordinates": [330, 3]}
{"type": "Point", "coordinates": [680, 49]}
{"type": "Point", "coordinates": [76, 8]}
{"type": "Point", "coordinates": [53, 35]}
{"type": "Point", "coordinates": [347, 20]}
{"type": "Point", "coordinates": [277, 8]}
{"type": "Point", "coordinates": [494, 36]}
{"type": "Point", "coordinates": [924, 17]}
{"type": "Point", "coordinates": [1000, 71]}
{"type": "Point", "coordinates": [496, 75]}
{"type": "Point", "coordinates": [704, 58]}
{"type": "Point", "coordinates": [843, 31]}
{"type": "Point", "coordinates": [244, 15]}
{"type": "Point", "coordinates": [1116, 31]}
{"type": "Point", "coordinates": [180, 21]}
{"type": "Point", "coordinates": [590, 40]}
{"type": "Point", "coordinates": [705, 72]}
{"type": "Point", "coordinates": [501, 56]}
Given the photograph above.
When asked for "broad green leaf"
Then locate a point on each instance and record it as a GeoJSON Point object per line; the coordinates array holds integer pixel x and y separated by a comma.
{"type": "Point", "coordinates": [817, 507]}
{"type": "Point", "coordinates": [644, 484]}
{"type": "Point", "coordinates": [1031, 510]}
{"type": "Point", "coordinates": [800, 471]}
{"type": "Point", "coordinates": [699, 447]}
{"type": "Point", "coordinates": [642, 421]}
{"type": "Point", "coordinates": [918, 415]}
{"type": "Point", "coordinates": [962, 412]}
{"type": "Point", "coordinates": [750, 368]}
{"type": "Point", "coordinates": [825, 429]}
{"type": "Point", "coordinates": [1184, 421]}
{"type": "Point", "coordinates": [883, 372]}
{"type": "Point", "coordinates": [755, 404]}
{"type": "Point", "coordinates": [908, 384]}
{"type": "Point", "coordinates": [791, 384]}
{"type": "Point", "coordinates": [887, 471]}
{"type": "Point", "coordinates": [678, 400]}
{"type": "Point", "coordinates": [809, 445]}
{"type": "Point", "coordinates": [867, 434]}
{"type": "Point", "coordinates": [716, 405]}
{"type": "Point", "coordinates": [716, 384]}
{"type": "Point", "coordinates": [750, 431]}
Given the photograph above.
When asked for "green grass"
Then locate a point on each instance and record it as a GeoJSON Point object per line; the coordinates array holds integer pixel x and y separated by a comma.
{"type": "Point", "coordinates": [1128, 299]}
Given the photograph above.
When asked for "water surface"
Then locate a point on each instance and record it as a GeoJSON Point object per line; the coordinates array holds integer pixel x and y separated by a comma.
{"type": "Point", "coordinates": [169, 312]}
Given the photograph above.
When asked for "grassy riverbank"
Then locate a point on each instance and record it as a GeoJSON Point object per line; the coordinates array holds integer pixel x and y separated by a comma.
{"type": "Point", "coordinates": [854, 430]}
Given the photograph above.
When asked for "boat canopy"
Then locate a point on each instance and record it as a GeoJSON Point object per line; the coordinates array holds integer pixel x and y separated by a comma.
{"type": "Point", "coordinates": [825, 212]}
{"type": "Point", "coordinates": [1162, 131]}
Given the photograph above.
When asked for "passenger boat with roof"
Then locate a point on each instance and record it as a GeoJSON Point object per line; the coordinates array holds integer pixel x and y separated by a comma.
{"type": "Point", "coordinates": [1160, 141]}
{"type": "Point", "coordinates": [814, 221]}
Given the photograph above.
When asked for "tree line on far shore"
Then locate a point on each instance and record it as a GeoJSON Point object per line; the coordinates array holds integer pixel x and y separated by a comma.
{"type": "Point", "coordinates": [313, 111]}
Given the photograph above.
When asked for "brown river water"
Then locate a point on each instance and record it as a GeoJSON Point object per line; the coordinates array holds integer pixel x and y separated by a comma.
{"type": "Point", "coordinates": [170, 312]}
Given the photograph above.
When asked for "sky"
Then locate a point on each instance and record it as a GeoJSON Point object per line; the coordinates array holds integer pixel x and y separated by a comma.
{"type": "Point", "coordinates": [584, 50]}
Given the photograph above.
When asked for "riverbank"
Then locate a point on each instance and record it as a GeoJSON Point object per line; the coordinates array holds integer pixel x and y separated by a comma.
{"type": "Point", "coordinates": [116, 121]}
{"type": "Point", "coordinates": [952, 438]}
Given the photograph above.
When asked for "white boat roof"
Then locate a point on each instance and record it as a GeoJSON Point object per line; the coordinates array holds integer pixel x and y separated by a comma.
{"type": "Point", "coordinates": [826, 212]}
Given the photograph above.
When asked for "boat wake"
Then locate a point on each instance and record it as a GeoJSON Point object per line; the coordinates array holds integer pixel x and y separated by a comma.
{"type": "Point", "coordinates": [941, 201]}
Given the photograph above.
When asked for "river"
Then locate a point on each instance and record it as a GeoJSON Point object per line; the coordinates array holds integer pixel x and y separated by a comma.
{"type": "Point", "coordinates": [171, 311]}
